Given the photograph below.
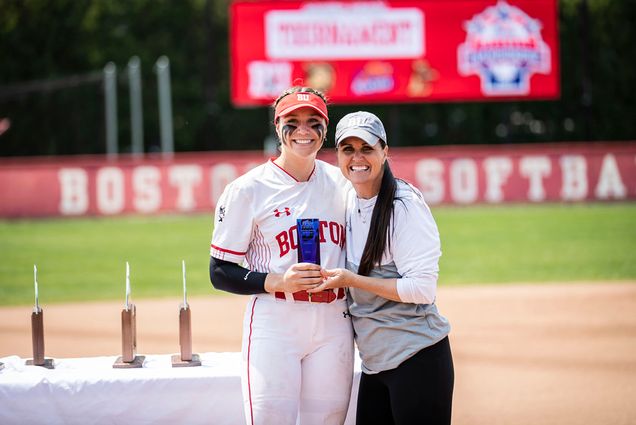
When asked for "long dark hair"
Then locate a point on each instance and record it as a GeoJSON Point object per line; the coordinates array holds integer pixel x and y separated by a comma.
{"type": "Point", "coordinates": [379, 229]}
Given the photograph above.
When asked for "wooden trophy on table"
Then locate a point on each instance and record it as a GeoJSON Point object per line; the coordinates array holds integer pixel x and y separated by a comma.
{"type": "Point", "coordinates": [37, 331]}
{"type": "Point", "coordinates": [128, 358]}
{"type": "Point", "coordinates": [185, 358]}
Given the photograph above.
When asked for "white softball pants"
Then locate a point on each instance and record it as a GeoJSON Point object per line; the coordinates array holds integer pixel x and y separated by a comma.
{"type": "Point", "coordinates": [297, 362]}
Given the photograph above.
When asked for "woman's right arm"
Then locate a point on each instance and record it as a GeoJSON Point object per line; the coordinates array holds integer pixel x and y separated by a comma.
{"type": "Point", "coordinates": [231, 277]}
{"type": "Point", "coordinates": [234, 221]}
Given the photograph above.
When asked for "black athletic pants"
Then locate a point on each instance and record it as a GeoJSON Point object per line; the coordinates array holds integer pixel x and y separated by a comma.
{"type": "Point", "coordinates": [419, 391]}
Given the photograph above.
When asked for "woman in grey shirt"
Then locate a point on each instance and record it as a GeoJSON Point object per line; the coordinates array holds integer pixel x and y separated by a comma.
{"type": "Point", "coordinates": [392, 278]}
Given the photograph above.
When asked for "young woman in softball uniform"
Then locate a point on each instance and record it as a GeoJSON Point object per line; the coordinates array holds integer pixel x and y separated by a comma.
{"type": "Point", "coordinates": [297, 347]}
{"type": "Point", "coordinates": [393, 249]}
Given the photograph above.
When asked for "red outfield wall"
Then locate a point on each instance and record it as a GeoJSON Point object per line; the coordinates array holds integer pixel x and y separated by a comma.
{"type": "Point", "coordinates": [77, 186]}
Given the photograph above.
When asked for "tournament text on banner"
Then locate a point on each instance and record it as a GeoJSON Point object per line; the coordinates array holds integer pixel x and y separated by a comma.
{"type": "Point", "coordinates": [395, 51]}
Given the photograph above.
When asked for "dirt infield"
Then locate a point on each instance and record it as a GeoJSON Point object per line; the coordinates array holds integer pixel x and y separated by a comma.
{"type": "Point", "coordinates": [542, 354]}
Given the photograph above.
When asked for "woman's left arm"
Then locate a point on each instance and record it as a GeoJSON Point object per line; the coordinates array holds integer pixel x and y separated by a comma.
{"type": "Point", "coordinates": [415, 249]}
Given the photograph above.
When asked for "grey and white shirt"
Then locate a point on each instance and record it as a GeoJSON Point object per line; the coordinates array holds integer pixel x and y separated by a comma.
{"type": "Point", "coordinates": [388, 332]}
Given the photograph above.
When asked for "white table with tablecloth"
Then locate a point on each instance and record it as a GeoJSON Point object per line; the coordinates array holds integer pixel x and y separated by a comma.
{"type": "Point", "coordinates": [90, 391]}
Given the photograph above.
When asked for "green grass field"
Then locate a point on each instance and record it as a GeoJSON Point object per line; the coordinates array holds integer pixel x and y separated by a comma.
{"type": "Point", "coordinates": [84, 259]}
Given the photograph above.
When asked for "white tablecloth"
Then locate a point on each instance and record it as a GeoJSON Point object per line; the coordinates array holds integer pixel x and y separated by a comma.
{"type": "Point", "coordinates": [90, 391]}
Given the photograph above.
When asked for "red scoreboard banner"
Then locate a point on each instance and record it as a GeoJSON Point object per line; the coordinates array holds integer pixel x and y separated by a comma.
{"type": "Point", "coordinates": [395, 51]}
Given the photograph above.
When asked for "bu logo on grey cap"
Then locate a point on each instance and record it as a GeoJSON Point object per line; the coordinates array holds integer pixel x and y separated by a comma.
{"type": "Point", "coordinates": [362, 124]}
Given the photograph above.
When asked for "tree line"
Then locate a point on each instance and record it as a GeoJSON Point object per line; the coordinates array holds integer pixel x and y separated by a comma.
{"type": "Point", "coordinates": [53, 53]}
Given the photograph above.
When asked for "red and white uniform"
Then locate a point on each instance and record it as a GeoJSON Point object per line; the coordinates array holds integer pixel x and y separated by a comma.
{"type": "Point", "coordinates": [285, 339]}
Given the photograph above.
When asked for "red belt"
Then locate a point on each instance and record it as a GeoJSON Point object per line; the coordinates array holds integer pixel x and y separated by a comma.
{"type": "Point", "coordinates": [325, 296]}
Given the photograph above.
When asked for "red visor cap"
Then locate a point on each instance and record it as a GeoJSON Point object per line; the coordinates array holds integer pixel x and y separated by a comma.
{"type": "Point", "coordinates": [297, 100]}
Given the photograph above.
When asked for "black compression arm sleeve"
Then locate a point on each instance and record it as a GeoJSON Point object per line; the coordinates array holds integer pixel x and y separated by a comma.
{"type": "Point", "coordinates": [233, 278]}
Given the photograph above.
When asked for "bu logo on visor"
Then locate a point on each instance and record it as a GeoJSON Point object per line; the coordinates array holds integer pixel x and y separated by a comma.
{"type": "Point", "coordinates": [302, 96]}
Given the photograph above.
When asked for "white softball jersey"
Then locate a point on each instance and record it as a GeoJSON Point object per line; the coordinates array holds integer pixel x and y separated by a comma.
{"type": "Point", "coordinates": [388, 332]}
{"type": "Point", "coordinates": [297, 355]}
{"type": "Point", "coordinates": [255, 218]}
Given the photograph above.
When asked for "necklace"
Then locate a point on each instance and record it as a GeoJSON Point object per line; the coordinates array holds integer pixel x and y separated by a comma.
{"type": "Point", "coordinates": [364, 211]}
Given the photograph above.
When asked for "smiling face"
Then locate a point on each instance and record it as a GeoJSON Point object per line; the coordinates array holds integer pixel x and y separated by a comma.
{"type": "Point", "coordinates": [301, 132]}
{"type": "Point", "coordinates": [362, 164]}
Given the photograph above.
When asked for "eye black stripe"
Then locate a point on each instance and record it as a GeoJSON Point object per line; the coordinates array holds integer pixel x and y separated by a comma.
{"type": "Point", "coordinates": [320, 129]}
{"type": "Point", "coordinates": [287, 130]}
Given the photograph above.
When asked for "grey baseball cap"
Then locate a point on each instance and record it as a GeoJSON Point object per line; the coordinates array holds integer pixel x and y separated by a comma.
{"type": "Point", "coordinates": [360, 124]}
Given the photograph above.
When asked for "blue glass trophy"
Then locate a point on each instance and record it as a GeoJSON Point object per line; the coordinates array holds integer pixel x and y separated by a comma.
{"type": "Point", "coordinates": [308, 240]}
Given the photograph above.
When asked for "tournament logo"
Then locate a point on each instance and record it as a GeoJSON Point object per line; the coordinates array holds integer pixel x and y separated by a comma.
{"type": "Point", "coordinates": [504, 47]}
